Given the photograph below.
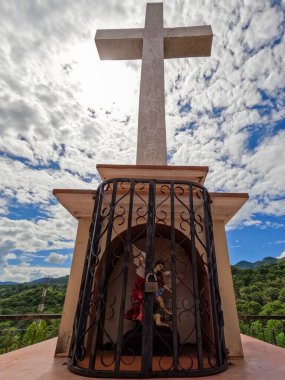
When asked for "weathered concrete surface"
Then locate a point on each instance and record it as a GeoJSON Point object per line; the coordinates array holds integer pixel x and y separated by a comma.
{"type": "Point", "coordinates": [153, 44]}
{"type": "Point", "coordinates": [262, 361]}
{"type": "Point", "coordinates": [73, 287]}
{"type": "Point", "coordinates": [226, 288]}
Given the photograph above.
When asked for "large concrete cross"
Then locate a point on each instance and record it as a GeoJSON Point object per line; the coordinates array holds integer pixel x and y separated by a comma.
{"type": "Point", "coordinates": [152, 45]}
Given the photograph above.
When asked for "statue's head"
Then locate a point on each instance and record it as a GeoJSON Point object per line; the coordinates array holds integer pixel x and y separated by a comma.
{"type": "Point", "coordinates": [159, 266]}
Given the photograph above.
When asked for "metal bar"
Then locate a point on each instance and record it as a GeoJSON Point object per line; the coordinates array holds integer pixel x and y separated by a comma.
{"type": "Point", "coordinates": [274, 337]}
{"type": "Point", "coordinates": [261, 317]}
{"type": "Point", "coordinates": [212, 277]}
{"type": "Point", "coordinates": [173, 280]}
{"type": "Point", "coordinates": [21, 339]}
{"type": "Point", "coordinates": [195, 281]}
{"type": "Point", "coordinates": [100, 297]}
{"type": "Point", "coordinates": [33, 336]}
{"type": "Point", "coordinates": [147, 335]}
{"type": "Point", "coordinates": [263, 329]}
{"type": "Point", "coordinates": [28, 317]}
{"type": "Point", "coordinates": [125, 280]}
{"type": "Point", "coordinates": [80, 317]}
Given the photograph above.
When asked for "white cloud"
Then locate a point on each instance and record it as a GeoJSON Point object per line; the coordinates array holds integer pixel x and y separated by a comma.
{"type": "Point", "coordinates": [281, 256]}
{"type": "Point", "coordinates": [56, 258]}
{"type": "Point", "coordinates": [52, 77]}
{"type": "Point", "coordinates": [3, 206]}
{"type": "Point", "coordinates": [279, 242]}
{"type": "Point", "coordinates": [11, 256]}
{"type": "Point", "coordinates": [6, 246]}
{"type": "Point", "coordinates": [264, 27]}
{"type": "Point", "coordinates": [20, 273]}
{"type": "Point", "coordinates": [31, 236]}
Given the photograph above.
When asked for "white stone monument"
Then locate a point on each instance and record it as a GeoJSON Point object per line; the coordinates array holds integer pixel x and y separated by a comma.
{"type": "Point", "coordinates": [152, 44]}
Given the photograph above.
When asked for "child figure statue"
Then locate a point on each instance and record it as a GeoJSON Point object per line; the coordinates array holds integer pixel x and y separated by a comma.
{"type": "Point", "coordinates": [158, 270]}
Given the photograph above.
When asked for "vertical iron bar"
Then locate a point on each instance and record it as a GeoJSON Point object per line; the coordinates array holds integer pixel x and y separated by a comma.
{"type": "Point", "coordinates": [263, 329]}
{"type": "Point", "coordinates": [21, 339]}
{"type": "Point", "coordinates": [147, 338]}
{"type": "Point", "coordinates": [125, 280]}
{"type": "Point", "coordinates": [212, 276]}
{"type": "Point", "coordinates": [9, 342]}
{"type": "Point", "coordinates": [274, 337]}
{"type": "Point", "coordinates": [34, 334]}
{"type": "Point", "coordinates": [80, 319]}
{"type": "Point", "coordinates": [195, 280]}
{"type": "Point", "coordinates": [100, 297]}
{"type": "Point", "coordinates": [173, 279]}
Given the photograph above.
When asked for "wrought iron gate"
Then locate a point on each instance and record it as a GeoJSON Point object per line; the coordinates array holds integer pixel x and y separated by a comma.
{"type": "Point", "coordinates": [121, 330]}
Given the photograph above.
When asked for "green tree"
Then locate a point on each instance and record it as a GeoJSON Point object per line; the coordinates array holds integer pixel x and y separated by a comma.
{"type": "Point", "coordinates": [36, 332]}
{"type": "Point", "coordinates": [281, 296]}
{"type": "Point", "coordinates": [248, 307]}
{"type": "Point", "coordinates": [271, 293]}
{"type": "Point", "coordinates": [273, 308]}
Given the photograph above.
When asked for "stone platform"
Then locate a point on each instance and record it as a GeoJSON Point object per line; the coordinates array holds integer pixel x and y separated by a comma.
{"type": "Point", "coordinates": [262, 361]}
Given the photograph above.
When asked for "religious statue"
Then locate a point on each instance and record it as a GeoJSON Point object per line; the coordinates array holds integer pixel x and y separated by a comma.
{"type": "Point", "coordinates": [135, 313]}
{"type": "Point", "coordinates": [159, 272]}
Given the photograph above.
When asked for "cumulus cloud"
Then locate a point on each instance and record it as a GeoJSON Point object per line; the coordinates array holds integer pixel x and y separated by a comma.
{"type": "Point", "coordinates": [18, 273]}
{"type": "Point", "coordinates": [62, 110]}
{"type": "Point", "coordinates": [5, 248]}
{"type": "Point", "coordinates": [56, 258]}
{"type": "Point", "coordinates": [11, 256]}
{"type": "Point", "coordinates": [35, 235]}
{"type": "Point", "coordinates": [281, 256]}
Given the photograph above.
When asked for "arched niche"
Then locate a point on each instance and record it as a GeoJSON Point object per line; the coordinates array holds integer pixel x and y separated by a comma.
{"type": "Point", "coordinates": [185, 297]}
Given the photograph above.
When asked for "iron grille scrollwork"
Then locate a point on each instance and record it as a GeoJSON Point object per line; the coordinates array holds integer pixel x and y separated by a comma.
{"type": "Point", "coordinates": [140, 226]}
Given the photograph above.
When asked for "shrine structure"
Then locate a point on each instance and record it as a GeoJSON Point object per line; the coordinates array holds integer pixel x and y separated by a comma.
{"type": "Point", "coordinates": [150, 221]}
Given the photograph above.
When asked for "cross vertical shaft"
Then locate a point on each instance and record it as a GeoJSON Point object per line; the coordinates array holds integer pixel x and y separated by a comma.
{"type": "Point", "coordinates": [151, 142]}
{"type": "Point", "coordinates": [152, 45]}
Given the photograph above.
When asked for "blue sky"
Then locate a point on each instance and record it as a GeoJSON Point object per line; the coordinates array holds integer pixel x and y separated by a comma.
{"type": "Point", "coordinates": [62, 111]}
{"type": "Point", "coordinates": [253, 244]}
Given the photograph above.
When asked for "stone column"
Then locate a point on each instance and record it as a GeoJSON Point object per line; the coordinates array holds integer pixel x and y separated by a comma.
{"type": "Point", "coordinates": [231, 328]}
{"type": "Point", "coordinates": [73, 287]}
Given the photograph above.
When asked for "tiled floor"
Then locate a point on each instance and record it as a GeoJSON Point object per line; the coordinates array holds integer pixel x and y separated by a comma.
{"type": "Point", "coordinates": [262, 361]}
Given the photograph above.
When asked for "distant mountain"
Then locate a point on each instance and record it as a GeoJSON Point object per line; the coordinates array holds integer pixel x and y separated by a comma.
{"type": "Point", "coordinates": [248, 265]}
{"type": "Point", "coordinates": [8, 283]}
{"type": "Point", "coordinates": [244, 265]}
{"type": "Point", "coordinates": [25, 297]}
{"type": "Point", "coordinates": [53, 281]}
{"type": "Point", "coordinates": [40, 281]}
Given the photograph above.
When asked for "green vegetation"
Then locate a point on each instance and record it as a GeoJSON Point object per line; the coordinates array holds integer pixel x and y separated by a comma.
{"type": "Point", "coordinates": [25, 299]}
{"type": "Point", "coordinates": [261, 291]}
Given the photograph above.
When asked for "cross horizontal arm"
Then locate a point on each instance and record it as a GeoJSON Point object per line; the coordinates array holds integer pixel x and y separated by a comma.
{"type": "Point", "coordinates": [119, 44]}
{"type": "Point", "coordinates": [193, 41]}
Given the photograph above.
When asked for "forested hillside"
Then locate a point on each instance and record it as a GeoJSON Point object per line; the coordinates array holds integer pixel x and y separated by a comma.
{"type": "Point", "coordinates": [261, 290]}
{"type": "Point", "coordinates": [25, 298]}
